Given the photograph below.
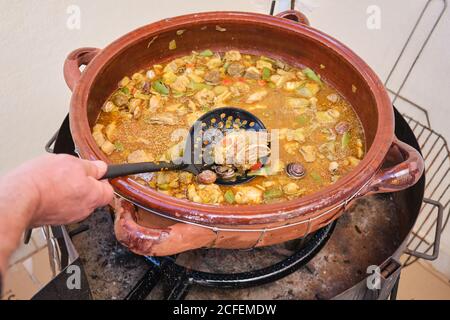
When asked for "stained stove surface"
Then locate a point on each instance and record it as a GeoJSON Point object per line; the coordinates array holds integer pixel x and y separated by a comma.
{"type": "Point", "coordinates": [369, 233]}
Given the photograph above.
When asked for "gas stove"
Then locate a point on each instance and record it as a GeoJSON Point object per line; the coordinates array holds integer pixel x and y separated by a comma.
{"type": "Point", "coordinates": [336, 262]}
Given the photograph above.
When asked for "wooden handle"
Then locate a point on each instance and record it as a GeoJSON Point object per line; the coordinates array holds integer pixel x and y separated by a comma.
{"type": "Point", "coordinates": [400, 176]}
{"type": "Point", "coordinates": [74, 61]}
{"type": "Point", "coordinates": [295, 16]}
{"type": "Point", "coordinates": [157, 241]}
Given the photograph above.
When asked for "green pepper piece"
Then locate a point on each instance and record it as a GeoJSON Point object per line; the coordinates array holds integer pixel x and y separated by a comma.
{"type": "Point", "coordinates": [125, 90]}
{"type": "Point", "coordinates": [345, 141]}
{"type": "Point", "coordinates": [303, 120]}
{"type": "Point", "coordinates": [229, 196]}
{"type": "Point", "coordinates": [163, 187]}
{"type": "Point", "coordinates": [266, 73]}
{"type": "Point", "coordinates": [317, 178]}
{"type": "Point", "coordinates": [160, 87]}
{"type": "Point", "coordinates": [206, 53]}
{"type": "Point", "coordinates": [119, 146]}
{"type": "Point", "coordinates": [312, 75]}
{"type": "Point", "coordinates": [272, 194]}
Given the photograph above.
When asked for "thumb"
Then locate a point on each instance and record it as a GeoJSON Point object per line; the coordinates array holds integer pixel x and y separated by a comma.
{"type": "Point", "coordinates": [100, 169]}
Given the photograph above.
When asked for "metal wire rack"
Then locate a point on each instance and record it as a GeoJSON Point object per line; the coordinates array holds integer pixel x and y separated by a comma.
{"type": "Point", "coordinates": [434, 147]}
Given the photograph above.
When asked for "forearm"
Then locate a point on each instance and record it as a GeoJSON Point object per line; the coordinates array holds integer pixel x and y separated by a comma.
{"type": "Point", "coordinates": [18, 202]}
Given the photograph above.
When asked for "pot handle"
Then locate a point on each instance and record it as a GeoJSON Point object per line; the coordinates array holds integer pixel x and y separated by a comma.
{"type": "Point", "coordinates": [74, 61]}
{"type": "Point", "coordinates": [157, 241]}
{"type": "Point", "coordinates": [295, 16]}
{"type": "Point", "coordinates": [402, 175]}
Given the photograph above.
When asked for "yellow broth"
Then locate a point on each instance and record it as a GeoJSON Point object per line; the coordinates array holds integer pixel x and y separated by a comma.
{"type": "Point", "coordinates": [318, 127]}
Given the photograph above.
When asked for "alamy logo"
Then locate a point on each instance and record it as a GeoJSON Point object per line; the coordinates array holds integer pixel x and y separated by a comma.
{"type": "Point", "coordinates": [74, 18]}
{"type": "Point", "coordinates": [74, 279]}
{"type": "Point", "coordinates": [374, 279]}
{"type": "Point", "coordinates": [374, 20]}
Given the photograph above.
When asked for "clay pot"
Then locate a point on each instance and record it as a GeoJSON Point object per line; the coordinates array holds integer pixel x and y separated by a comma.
{"type": "Point", "coordinates": [164, 225]}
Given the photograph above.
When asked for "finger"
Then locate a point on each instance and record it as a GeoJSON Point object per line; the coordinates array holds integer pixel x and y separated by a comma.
{"type": "Point", "coordinates": [102, 193]}
{"type": "Point", "coordinates": [96, 169]}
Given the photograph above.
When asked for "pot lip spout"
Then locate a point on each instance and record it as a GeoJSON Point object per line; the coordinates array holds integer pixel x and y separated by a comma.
{"type": "Point", "coordinates": [338, 193]}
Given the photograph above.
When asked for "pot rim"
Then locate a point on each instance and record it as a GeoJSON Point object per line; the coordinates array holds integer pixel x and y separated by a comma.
{"type": "Point", "coordinates": [339, 193]}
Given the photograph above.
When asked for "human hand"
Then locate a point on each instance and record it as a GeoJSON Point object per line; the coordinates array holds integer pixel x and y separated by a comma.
{"type": "Point", "coordinates": [66, 189]}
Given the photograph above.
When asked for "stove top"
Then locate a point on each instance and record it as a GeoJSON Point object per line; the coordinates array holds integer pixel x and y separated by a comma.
{"type": "Point", "coordinates": [371, 233]}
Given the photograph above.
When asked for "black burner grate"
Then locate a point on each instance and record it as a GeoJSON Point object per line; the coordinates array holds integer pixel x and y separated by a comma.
{"type": "Point", "coordinates": [178, 279]}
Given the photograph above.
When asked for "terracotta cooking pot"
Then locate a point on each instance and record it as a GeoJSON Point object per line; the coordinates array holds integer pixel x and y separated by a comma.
{"type": "Point", "coordinates": [152, 223]}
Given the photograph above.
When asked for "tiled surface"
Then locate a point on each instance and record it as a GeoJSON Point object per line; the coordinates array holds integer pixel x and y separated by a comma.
{"type": "Point", "coordinates": [24, 251]}
{"type": "Point", "coordinates": [25, 278]}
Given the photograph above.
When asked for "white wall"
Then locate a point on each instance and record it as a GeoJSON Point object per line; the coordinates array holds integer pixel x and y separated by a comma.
{"type": "Point", "coordinates": [34, 41]}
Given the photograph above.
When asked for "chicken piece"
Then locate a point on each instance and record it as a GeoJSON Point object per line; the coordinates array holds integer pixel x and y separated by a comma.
{"type": "Point", "coordinates": [186, 177]}
{"type": "Point", "coordinates": [261, 64]}
{"type": "Point", "coordinates": [329, 150]}
{"type": "Point", "coordinates": [98, 128]}
{"type": "Point", "coordinates": [180, 84]}
{"type": "Point", "coordinates": [353, 161]}
{"type": "Point", "coordinates": [108, 106]}
{"type": "Point", "coordinates": [163, 119]}
{"type": "Point", "coordinates": [298, 135]}
{"type": "Point", "coordinates": [108, 148]}
{"type": "Point", "coordinates": [333, 98]}
{"type": "Point", "coordinates": [292, 189]}
{"type": "Point", "coordinates": [333, 167]}
{"type": "Point", "coordinates": [205, 97]}
{"type": "Point", "coordinates": [297, 103]}
{"type": "Point", "coordinates": [99, 138]}
{"type": "Point", "coordinates": [110, 131]}
{"type": "Point", "coordinates": [139, 156]}
{"type": "Point", "coordinates": [213, 77]}
{"type": "Point", "coordinates": [292, 85]}
{"type": "Point", "coordinates": [155, 102]}
{"type": "Point", "coordinates": [235, 69]}
{"type": "Point", "coordinates": [324, 117]}
{"type": "Point", "coordinates": [120, 99]}
{"type": "Point", "coordinates": [222, 98]}
{"type": "Point", "coordinates": [291, 147]}
{"type": "Point", "coordinates": [257, 96]}
{"type": "Point", "coordinates": [308, 153]}
{"type": "Point", "coordinates": [233, 55]}
{"type": "Point", "coordinates": [192, 117]}
{"type": "Point", "coordinates": [137, 113]}
{"type": "Point", "coordinates": [134, 103]}
{"type": "Point", "coordinates": [167, 180]}
{"type": "Point", "coordinates": [209, 194]}
{"type": "Point", "coordinates": [252, 73]}
{"type": "Point", "coordinates": [214, 63]}
{"type": "Point", "coordinates": [194, 77]}
{"type": "Point", "coordinates": [239, 88]}
{"type": "Point", "coordinates": [248, 195]}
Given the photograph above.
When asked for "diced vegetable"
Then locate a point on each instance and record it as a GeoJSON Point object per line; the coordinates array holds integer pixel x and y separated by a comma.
{"type": "Point", "coordinates": [206, 53]}
{"type": "Point", "coordinates": [317, 178]}
{"type": "Point", "coordinates": [266, 74]}
{"type": "Point", "coordinates": [303, 120]}
{"type": "Point", "coordinates": [312, 75]}
{"type": "Point", "coordinates": [273, 194]}
{"type": "Point", "coordinates": [320, 138]}
{"type": "Point", "coordinates": [160, 87]}
{"type": "Point", "coordinates": [264, 171]}
{"type": "Point", "coordinates": [229, 196]}
{"type": "Point", "coordinates": [172, 45]}
{"type": "Point", "coordinates": [345, 140]}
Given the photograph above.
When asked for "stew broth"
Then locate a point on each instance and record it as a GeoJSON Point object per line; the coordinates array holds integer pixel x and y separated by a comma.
{"type": "Point", "coordinates": [321, 138]}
